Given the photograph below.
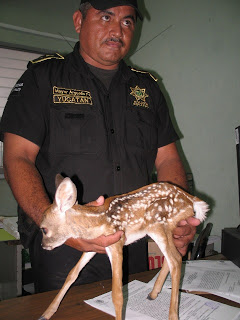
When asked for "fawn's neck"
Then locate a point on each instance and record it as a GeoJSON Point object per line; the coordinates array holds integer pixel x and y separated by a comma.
{"type": "Point", "coordinates": [86, 222]}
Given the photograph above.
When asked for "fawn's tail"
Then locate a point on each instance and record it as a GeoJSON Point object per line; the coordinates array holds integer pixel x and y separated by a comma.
{"type": "Point", "coordinates": [200, 209]}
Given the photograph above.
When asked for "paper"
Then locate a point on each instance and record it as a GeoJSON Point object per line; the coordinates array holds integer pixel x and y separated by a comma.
{"type": "Point", "coordinates": [9, 224]}
{"type": "Point", "coordinates": [220, 277]}
{"type": "Point", "coordinates": [137, 306]}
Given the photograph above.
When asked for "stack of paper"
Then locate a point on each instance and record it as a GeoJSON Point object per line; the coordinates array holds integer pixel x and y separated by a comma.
{"type": "Point", "coordinates": [221, 278]}
{"type": "Point", "coordinates": [137, 306]}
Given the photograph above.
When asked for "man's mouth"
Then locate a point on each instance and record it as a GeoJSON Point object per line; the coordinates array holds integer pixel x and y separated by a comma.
{"type": "Point", "coordinates": [115, 42]}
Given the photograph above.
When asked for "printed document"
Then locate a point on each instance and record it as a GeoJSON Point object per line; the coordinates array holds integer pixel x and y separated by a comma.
{"type": "Point", "coordinates": [219, 277]}
{"type": "Point", "coordinates": [137, 306]}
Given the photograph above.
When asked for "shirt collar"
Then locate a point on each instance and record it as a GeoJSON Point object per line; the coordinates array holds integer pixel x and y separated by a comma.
{"type": "Point", "coordinates": [81, 66]}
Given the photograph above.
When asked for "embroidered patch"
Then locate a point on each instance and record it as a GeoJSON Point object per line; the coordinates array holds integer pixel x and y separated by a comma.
{"type": "Point", "coordinates": [140, 96]}
{"type": "Point", "coordinates": [74, 96]}
{"type": "Point", "coordinates": [16, 89]}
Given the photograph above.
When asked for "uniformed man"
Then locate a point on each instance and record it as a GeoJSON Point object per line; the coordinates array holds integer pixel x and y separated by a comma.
{"type": "Point", "coordinates": [92, 118]}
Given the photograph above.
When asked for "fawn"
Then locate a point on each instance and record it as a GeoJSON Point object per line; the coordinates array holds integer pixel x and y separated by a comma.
{"type": "Point", "coordinates": [153, 210]}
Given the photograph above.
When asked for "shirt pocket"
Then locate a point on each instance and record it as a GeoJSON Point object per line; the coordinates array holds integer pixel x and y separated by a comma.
{"type": "Point", "coordinates": [75, 131]}
{"type": "Point", "coordinates": [141, 129]}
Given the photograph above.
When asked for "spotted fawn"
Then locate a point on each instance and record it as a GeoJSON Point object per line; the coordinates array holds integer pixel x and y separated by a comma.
{"type": "Point", "coordinates": [153, 210]}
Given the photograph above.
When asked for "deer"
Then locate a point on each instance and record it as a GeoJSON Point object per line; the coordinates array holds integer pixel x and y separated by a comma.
{"type": "Point", "coordinates": [153, 210]}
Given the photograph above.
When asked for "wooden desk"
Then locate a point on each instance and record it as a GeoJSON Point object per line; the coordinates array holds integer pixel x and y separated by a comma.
{"type": "Point", "coordinates": [72, 307]}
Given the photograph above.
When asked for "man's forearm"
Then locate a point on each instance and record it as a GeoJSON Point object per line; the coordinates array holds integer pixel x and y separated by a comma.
{"type": "Point", "coordinates": [27, 187]}
{"type": "Point", "coordinates": [169, 166]}
{"type": "Point", "coordinates": [173, 171]}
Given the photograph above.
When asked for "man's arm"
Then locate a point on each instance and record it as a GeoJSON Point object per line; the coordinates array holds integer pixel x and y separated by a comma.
{"type": "Point", "coordinates": [28, 189]}
{"type": "Point", "coordinates": [23, 177]}
{"type": "Point", "coordinates": [170, 168]}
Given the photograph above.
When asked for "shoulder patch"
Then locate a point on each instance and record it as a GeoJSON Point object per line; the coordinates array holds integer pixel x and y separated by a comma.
{"type": "Point", "coordinates": [47, 57]}
{"type": "Point", "coordinates": [146, 72]}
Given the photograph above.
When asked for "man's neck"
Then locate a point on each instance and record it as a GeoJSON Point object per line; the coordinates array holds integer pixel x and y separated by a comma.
{"type": "Point", "coordinates": [105, 76]}
{"type": "Point", "coordinates": [97, 64]}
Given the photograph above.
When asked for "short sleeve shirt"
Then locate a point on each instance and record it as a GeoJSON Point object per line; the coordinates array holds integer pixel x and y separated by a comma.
{"type": "Point", "coordinates": [105, 140]}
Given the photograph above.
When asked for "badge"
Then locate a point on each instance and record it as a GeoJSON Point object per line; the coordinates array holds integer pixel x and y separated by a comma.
{"type": "Point", "coordinates": [73, 96]}
{"type": "Point", "coordinates": [140, 96]}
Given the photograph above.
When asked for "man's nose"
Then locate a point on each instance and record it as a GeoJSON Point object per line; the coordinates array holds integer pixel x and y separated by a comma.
{"type": "Point", "coordinates": [116, 30]}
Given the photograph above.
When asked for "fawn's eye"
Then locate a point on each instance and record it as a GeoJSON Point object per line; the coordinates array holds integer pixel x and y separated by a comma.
{"type": "Point", "coordinates": [44, 230]}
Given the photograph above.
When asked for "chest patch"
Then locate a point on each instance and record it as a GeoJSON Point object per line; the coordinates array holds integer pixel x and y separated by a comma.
{"type": "Point", "coordinates": [140, 96]}
{"type": "Point", "coordinates": [73, 96]}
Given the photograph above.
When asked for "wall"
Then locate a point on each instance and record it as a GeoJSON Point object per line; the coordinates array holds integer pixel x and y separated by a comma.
{"type": "Point", "coordinates": [197, 62]}
{"type": "Point", "coordinates": [8, 205]}
{"type": "Point", "coordinates": [47, 17]}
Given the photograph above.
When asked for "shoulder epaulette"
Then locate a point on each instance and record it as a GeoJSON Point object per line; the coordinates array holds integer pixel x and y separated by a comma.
{"type": "Point", "coordinates": [146, 72]}
{"type": "Point", "coordinates": [47, 57]}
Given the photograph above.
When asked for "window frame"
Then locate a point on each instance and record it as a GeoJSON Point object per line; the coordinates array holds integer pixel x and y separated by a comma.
{"type": "Point", "coordinates": [13, 62]}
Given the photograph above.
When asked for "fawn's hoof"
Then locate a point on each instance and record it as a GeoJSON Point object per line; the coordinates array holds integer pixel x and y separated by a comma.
{"type": "Point", "coordinates": [152, 296]}
{"type": "Point", "coordinates": [42, 318]}
{"type": "Point", "coordinates": [149, 297]}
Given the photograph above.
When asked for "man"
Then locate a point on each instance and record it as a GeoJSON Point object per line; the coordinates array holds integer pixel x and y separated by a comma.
{"type": "Point", "coordinates": [89, 117]}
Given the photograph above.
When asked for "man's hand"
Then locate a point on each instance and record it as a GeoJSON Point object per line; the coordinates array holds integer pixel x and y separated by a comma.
{"type": "Point", "coordinates": [184, 234]}
{"type": "Point", "coordinates": [96, 203]}
{"type": "Point", "coordinates": [95, 245]}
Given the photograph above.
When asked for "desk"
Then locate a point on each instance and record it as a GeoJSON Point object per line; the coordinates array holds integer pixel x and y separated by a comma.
{"type": "Point", "coordinates": [72, 306]}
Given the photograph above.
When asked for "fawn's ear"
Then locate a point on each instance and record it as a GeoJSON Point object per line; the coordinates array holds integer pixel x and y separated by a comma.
{"type": "Point", "coordinates": [66, 195]}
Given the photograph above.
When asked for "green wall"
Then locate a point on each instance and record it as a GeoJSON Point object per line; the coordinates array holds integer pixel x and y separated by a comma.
{"type": "Point", "coordinates": [8, 205]}
{"type": "Point", "coordinates": [196, 60]}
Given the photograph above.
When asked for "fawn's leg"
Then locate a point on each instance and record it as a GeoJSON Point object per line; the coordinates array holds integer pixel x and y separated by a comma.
{"type": "Point", "coordinates": [174, 261]}
{"type": "Point", "coordinates": [72, 276]}
{"type": "Point", "coordinates": [160, 281]}
{"type": "Point", "coordinates": [115, 254]}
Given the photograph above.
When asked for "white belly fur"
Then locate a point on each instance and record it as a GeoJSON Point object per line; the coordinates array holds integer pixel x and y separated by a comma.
{"type": "Point", "coordinates": [134, 237]}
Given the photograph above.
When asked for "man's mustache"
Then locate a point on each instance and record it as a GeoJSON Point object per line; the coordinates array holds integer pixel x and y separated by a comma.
{"type": "Point", "coordinates": [114, 40]}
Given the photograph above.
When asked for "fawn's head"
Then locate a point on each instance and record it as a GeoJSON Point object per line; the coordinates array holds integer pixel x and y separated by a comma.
{"type": "Point", "coordinates": [53, 226]}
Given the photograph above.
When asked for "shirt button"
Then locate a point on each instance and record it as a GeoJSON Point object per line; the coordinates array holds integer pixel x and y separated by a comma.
{"type": "Point", "coordinates": [112, 131]}
{"type": "Point", "coordinates": [118, 168]}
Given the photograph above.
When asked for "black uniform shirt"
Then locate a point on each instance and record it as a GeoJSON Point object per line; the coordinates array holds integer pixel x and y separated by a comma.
{"type": "Point", "coordinates": [105, 140]}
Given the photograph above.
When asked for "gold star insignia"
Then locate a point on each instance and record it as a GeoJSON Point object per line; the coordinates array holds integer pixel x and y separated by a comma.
{"type": "Point", "coordinates": [139, 94]}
